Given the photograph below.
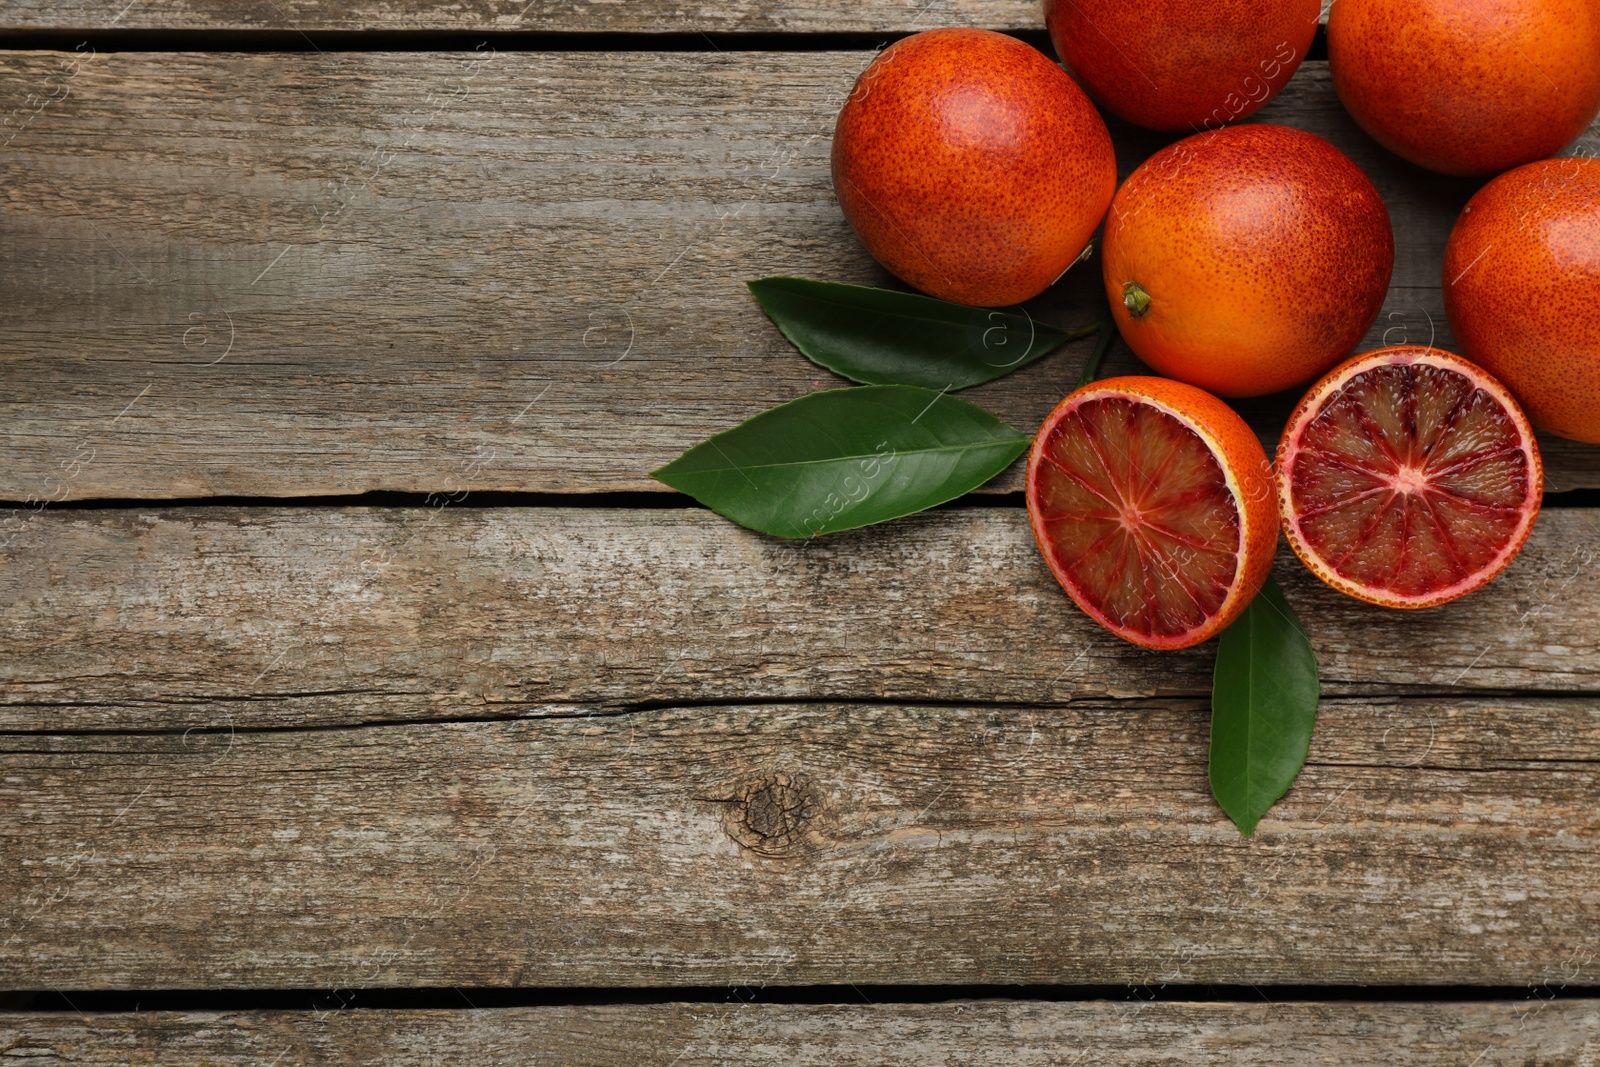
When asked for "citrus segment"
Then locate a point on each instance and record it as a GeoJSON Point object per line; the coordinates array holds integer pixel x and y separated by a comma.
{"type": "Point", "coordinates": [1148, 499]}
{"type": "Point", "coordinates": [1408, 477]}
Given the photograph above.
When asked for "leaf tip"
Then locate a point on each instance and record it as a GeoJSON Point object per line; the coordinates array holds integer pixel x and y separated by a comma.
{"type": "Point", "coordinates": [757, 285]}
{"type": "Point", "coordinates": [1246, 823]}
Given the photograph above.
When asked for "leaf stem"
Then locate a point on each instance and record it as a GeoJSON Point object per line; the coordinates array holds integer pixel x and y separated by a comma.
{"type": "Point", "coordinates": [1108, 333]}
{"type": "Point", "coordinates": [1078, 332]}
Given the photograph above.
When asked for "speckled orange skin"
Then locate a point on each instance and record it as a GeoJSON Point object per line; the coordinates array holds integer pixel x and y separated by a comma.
{"type": "Point", "coordinates": [1265, 252]}
{"type": "Point", "coordinates": [1522, 289]}
{"type": "Point", "coordinates": [972, 166]}
{"type": "Point", "coordinates": [1468, 87]}
{"type": "Point", "coordinates": [1244, 465]}
{"type": "Point", "coordinates": [1184, 65]}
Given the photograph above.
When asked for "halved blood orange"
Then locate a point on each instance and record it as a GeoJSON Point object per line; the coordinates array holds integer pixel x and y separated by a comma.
{"type": "Point", "coordinates": [1408, 477]}
{"type": "Point", "coordinates": [1152, 502]}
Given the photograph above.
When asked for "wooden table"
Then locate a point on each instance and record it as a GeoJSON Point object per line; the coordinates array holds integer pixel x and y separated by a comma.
{"type": "Point", "coordinates": [363, 698]}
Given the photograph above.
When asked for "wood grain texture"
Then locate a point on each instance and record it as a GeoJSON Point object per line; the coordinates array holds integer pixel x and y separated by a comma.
{"type": "Point", "coordinates": [512, 16]}
{"type": "Point", "coordinates": [300, 274]}
{"type": "Point", "coordinates": [1428, 841]}
{"type": "Point", "coordinates": [219, 617]}
{"type": "Point", "coordinates": [1553, 1034]}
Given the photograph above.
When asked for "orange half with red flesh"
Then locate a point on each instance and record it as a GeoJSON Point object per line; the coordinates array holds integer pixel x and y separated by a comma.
{"type": "Point", "coordinates": [1153, 505]}
{"type": "Point", "coordinates": [1408, 477]}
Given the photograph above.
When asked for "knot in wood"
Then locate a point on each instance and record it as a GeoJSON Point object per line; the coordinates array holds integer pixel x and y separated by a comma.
{"type": "Point", "coordinates": [775, 815]}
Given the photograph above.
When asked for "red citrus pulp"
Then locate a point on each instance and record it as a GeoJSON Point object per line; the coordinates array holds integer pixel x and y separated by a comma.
{"type": "Point", "coordinates": [1152, 503]}
{"type": "Point", "coordinates": [1408, 477]}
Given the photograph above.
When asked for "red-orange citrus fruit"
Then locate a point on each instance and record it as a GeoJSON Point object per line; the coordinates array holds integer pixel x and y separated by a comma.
{"type": "Point", "coordinates": [972, 166]}
{"type": "Point", "coordinates": [1247, 260]}
{"type": "Point", "coordinates": [1152, 502]}
{"type": "Point", "coordinates": [1522, 289]}
{"type": "Point", "coordinates": [1467, 87]}
{"type": "Point", "coordinates": [1408, 477]}
{"type": "Point", "coordinates": [1182, 64]}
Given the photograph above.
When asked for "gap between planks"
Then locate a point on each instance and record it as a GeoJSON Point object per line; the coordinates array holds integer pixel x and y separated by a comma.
{"type": "Point", "coordinates": [850, 994]}
{"type": "Point", "coordinates": [1131, 706]}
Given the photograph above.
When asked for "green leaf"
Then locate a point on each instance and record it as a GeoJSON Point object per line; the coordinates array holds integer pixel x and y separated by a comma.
{"type": "Point", "coordinates": [882, 337]}
{"type": "Point", "coordinates": [1263, 705]}
{"type": "Point", "coordinates": [844, 458]}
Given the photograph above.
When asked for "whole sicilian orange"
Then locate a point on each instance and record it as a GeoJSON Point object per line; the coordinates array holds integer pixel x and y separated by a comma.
{"type": "Point", "coordinates": [1182, 64]}
{"type": "Point", "coordinates": [1246, 260]}
{"type": "Point", "coordinates": [1468, 87]}
{"type": "Point", "coordinates": [972, 166]}
{"type": "Point", "coordinates": [1522, 289]}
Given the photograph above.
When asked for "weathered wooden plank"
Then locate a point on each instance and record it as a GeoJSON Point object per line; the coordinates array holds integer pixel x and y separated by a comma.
{"type": "Point", "coordinates": [1551, 1033]}
{"type": "Point", "coordinates": [504, 16]}
{"type": "Point", "coordinates": [308, 274]}
{"type": "Point", "coordinates": [217, 617]}
{"type": "Point", "coordinates": [511, 16]}
{"type": "Point", "coordinates": [1427, 841]}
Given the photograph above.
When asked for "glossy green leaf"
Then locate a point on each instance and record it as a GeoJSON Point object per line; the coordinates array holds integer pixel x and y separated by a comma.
{"type": "Point", "coordinates": [1263, 706]}
{"type": "Point", "coordinates": [844, 458]}
{"type": "Point", "coordinates": [882, 337]}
